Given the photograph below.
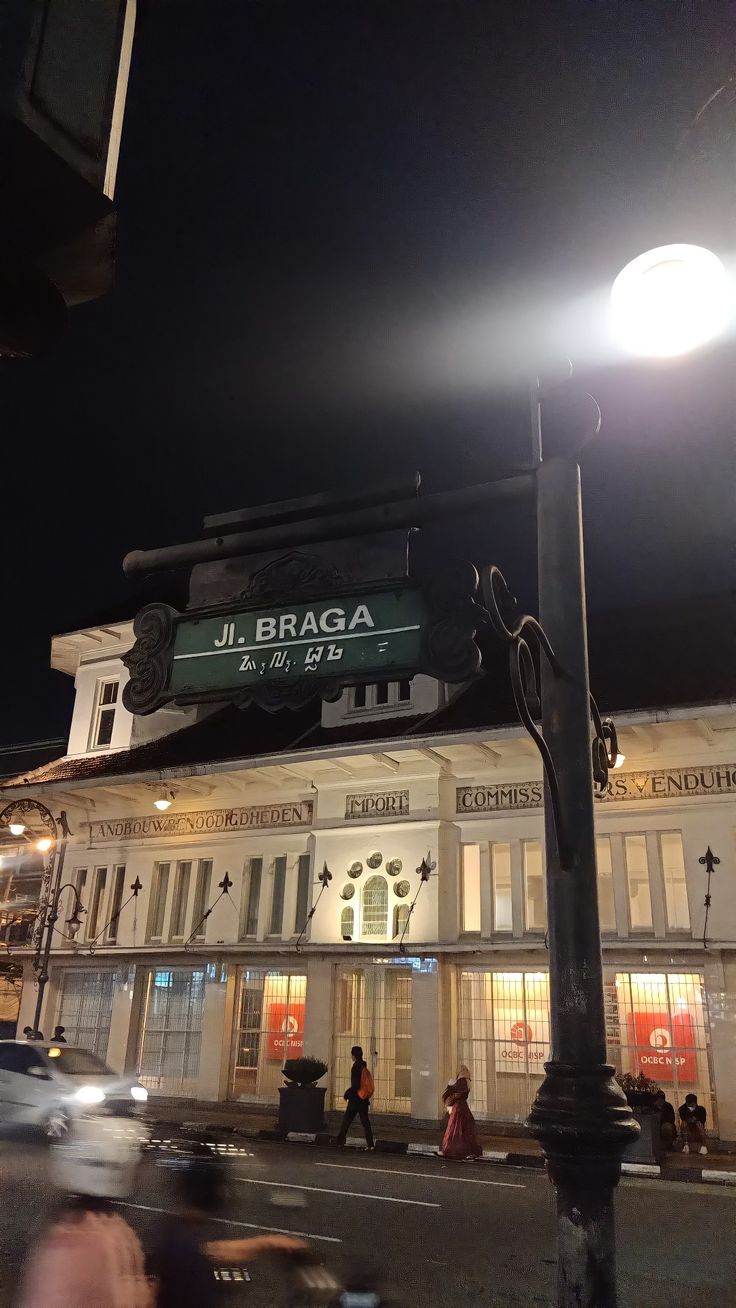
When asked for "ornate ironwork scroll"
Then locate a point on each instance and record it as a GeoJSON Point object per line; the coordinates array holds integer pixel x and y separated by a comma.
{"type": "Point", "coordinates": [150, 658]}
{"type": "Point", "coordinates": [520, 631]}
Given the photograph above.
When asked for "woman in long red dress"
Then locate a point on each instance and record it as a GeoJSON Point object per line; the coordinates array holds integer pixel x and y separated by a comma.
{"type": "Point", "coordinates": [461, 1136]}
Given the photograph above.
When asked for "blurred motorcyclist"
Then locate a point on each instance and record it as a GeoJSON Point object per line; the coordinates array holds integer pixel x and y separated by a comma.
{"type": "Point", "coordinates": [89, 1256]}
{"type": "Point", "coordinates": [182, 1259]}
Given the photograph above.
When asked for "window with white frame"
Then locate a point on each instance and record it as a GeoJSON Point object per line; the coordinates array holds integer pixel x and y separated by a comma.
{"type": "Point", "coordinates": [637, 881]}
{"type": "Point", "coordinates": [470, 888]}
{"type": "Point", "coordinates": [157, 905]}
{"type": "Point", "coordinates": [675, 885]}
{"type": "Point", "coordinates": [374, 916]}
{"type": "Point", "coordinates": [276, 920]}
{"type": "Point", "coordinates": [380, 695]}
{"type": "Point", "coordinates": [177, 926]}
{"type": "Point", "coordinates": [118, 887]}
{"type": "Point", "coordinates": [347, 923]}
{"type": "Point", "coordinates": [303, 880]}
{"type": "Point", "coordinates": [103, 717]}
{"type": "Point", "coordinates": [535, 902]}
{"type": "Point", "coordinates": [201, 898]}
{"type": "Point", "coordinates": [251, 898]}
{"type": "Point", "coordinates": [94, 913]}
{"type": "Point", "coordinates": [501, 872]}
{"type": "Point", "coordinates": [402, 917]}
{"type": "Point", "coordinates": [606, 901]}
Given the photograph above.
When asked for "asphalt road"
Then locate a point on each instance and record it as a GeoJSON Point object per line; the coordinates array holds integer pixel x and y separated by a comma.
{"type": "Point", "coordinates": [435, 1233]}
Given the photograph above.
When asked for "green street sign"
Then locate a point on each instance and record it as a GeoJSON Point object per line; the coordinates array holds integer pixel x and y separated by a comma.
{"type": "Point", "coordinates": [363, 638]}
{"type": "Point", "coordinates": [285, 653]}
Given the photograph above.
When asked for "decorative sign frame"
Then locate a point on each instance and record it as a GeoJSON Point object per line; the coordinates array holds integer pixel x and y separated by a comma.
{"type": "Point", "coordinates": [284, 653]}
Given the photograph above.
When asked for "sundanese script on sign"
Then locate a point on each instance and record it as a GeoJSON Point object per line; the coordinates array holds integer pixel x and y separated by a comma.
{"type": "Point", "coordinates": [340, 639]}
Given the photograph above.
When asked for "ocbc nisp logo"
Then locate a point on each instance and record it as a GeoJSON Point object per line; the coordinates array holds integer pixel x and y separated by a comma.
{"type": "Point", "coordinates": [660, 1038]}
{"type": "Point", "coordinates": [521, 1033]}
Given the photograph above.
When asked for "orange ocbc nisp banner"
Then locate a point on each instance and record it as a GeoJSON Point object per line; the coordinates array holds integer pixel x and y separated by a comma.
{"type": "Point", "coordinates": [285, 1021]}
{"type": "Point", "coordinates": [661, 1047]}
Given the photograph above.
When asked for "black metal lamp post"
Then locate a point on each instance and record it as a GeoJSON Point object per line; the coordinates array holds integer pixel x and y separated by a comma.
{"type": "Point", "coordinates": [48, 908]}
{"type": "Point", "coordinates": [580, 1114]}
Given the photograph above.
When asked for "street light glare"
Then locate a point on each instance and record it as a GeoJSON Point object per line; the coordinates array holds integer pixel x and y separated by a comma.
{"type": "Point", "coordinates": [44, 844]}
{"type": "Point", "coordinates": [17, 828]}
{"type": "Point", "coordinates": [671, 300]}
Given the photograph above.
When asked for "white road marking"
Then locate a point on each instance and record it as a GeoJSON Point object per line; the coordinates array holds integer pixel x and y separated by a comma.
{"type": "Point", "coordinates": [229, 1221]}
{"type": "Point", "coordinates": [429, 1176]}
{"type": "Point", "coordinates": [346, 1194]}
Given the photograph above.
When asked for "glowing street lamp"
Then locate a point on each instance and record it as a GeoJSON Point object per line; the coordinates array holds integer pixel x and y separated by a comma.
{"type": "Point", "coordinates": [671, 300]}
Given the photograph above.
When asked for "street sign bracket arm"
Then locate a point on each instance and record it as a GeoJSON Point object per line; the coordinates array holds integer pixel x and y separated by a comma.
{"type": "Point", "coordinates": [517, 630]}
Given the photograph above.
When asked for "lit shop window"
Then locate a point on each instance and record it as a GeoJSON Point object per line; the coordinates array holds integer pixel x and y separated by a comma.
{"type": "Point", "coordinates": [657, 1024]}
{"type": "Point", "coordinates": [675, 886]}
{"type": "Point", "coordinates": [470, 888]}
{"type": "Point", "coordinates": [504, 1037]}
{"type": "Point", "coordinates": [501, 865]}
{"type": "Point", "coordinates": [103, 719]}
{"type": "Point", "coordinates": [269, 1029]}
{"type": "Point", "coordinates": [606, 903]}
{"type": "Point", "coordinates": [535, 904]}
{"type": "Point", "coordinates": [637, 878]}
{"type": "Point", "coordinates": [171, 1030]}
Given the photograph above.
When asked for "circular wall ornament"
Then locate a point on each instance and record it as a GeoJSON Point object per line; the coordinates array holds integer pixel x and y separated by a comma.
{"type": "Point", "coordinates": [355, 870]}
{"type": "Point", "coordinates": [347, 891]}
{"type": "Point", "coordinates": [401, 889]}
{"type": "Point", "coordinates": [374, 860]}
{"type": "Point", "coordinates": [394, 866]}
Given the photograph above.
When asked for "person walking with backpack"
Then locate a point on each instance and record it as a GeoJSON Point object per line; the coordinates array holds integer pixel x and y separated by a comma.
{"type": "Point", "coordinates": [358, 1098]}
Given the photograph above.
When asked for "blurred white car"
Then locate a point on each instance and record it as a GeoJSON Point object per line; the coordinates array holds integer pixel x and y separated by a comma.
{"type": "Point", "coordinates": [47, 1085]}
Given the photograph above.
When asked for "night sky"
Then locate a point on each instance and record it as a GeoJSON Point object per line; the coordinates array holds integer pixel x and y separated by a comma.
{"type": "Point", "coordinates": [341, 224]}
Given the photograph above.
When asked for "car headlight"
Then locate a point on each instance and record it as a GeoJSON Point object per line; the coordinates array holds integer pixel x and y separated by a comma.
{"type": "Point", "coordinates": [90, 1094]}
{"type": "Point", "coordinates": [140, 1093]}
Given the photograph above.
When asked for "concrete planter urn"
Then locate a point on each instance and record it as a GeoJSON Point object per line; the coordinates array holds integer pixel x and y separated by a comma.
{"type": "Point", "coordinates": [301, 1100]}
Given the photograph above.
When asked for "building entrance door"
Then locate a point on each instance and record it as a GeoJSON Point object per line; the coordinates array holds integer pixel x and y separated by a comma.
{"type": "Point", "coordinates": [373, 1009]}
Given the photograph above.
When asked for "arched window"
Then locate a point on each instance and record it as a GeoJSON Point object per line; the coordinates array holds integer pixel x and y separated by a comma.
{"type": "Point", "coordinates": [347, 922]}
{"type": "Point", "coordinates": [401, 917]}
{"type": "Point", "coordinates": [375, 907]}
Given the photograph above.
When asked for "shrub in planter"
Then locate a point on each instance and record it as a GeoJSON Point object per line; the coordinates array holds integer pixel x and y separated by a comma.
{"type": "Point", "coordinates": [304, 1071]}
{"type": "Point", "coordinates": [301, 1100]}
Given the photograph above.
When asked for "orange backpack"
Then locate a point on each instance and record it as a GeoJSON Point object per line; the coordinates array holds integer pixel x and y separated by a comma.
{"type": "Point", "coordinates": [367, 1088]}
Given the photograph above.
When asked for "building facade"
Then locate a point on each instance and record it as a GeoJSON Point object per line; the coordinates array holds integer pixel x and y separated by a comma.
{"type": "Point", "coordinates": [198, 964]}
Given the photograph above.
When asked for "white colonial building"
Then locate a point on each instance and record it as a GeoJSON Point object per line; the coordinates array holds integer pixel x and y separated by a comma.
{"type": "Point", "coordinates": [205, 992]}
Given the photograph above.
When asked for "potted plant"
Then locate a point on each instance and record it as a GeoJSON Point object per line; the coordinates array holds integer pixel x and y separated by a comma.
{"type": "Point", "coordinates": [641, 1094]}
{"type": "Point", "coordinates": [301, 1100]}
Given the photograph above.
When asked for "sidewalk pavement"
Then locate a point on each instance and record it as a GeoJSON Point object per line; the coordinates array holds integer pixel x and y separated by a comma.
{"type": "Point", "coordinates": [395, 1135]}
